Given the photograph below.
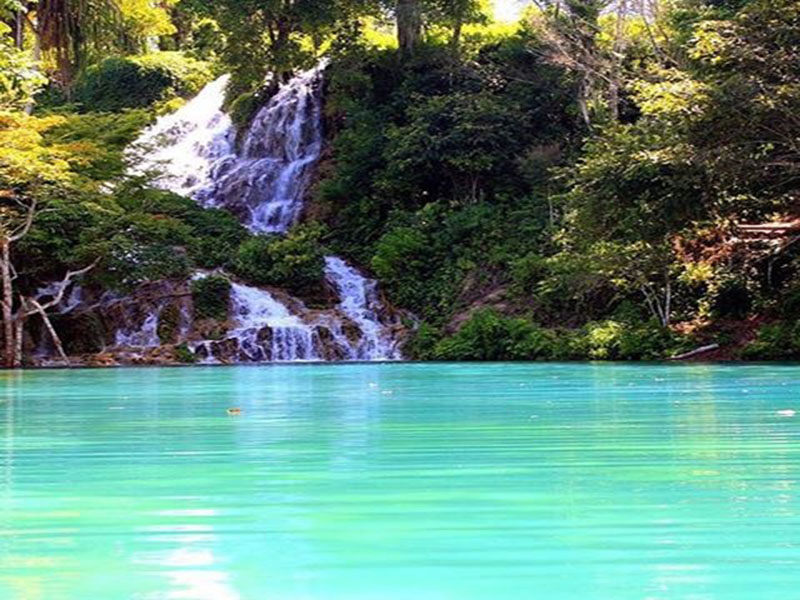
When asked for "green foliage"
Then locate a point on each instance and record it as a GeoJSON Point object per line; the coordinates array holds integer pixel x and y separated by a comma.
{"type": "Point", "coordinates": [208, 40]}
{"type": "Point", "coordinates": [140, 81]}
{"type": "Point", "coordinates": [98, 140]}
{"type": "Point", "coordinates": [169, 323]}
{"type": "Point", "coordinates": [184, 355]}
{"type": "Point", "coordinates": [454, 145]}
{"type": "Point", "coordinates": [211, 237]}
{"type": "Point", "coordinates": [294, 262]}
{"type": "Point", "coordinates": [402, 263]}
{"type": "Point", "coordinates": [211, 297]}
{"type": "Point", "coordinates": [145, 248]}
{"type": "Point", "coordinates": [19, 80]}
{"type": "Point", "coordinates": [488, 335]}
{"type": "Point", "coordinates": [775, 341]}
{"type": "Point", "coordinates": [422, 345]}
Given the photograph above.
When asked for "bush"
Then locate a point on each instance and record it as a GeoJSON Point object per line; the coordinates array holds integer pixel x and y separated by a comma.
{"type": "Point", "coordinates": [140, 81]}
{"type": "Point", "coordinates": [488, 335]}
{"type": "Point", "coordinates": [211, 297]}
{"type": "Point", "coordinates": [295, 262]}
{"type": "Point", "coordinates": [212, 235]}
{"type": "Point", "coordinates": [101, 139]}
{"type": "Point", "coordinates": [526, 273]}
{"type": "Point", "coordinates": [775, 341]}
{"type": "Point", "coordinates": [402, 262]}
{"type": "Point", "coordinates": [422, 346]}
{"type": "Point", "coordinates": [613, 340]}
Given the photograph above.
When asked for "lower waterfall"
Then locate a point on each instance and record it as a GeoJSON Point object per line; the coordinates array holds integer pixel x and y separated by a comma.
{"type": "Point", "coordinates": [264, 330]}
{"type": "Point", "coordinates": [360, 302]}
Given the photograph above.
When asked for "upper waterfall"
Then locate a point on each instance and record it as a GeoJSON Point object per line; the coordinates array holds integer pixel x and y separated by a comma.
{"type": "Point", "coordinates": [263, 182]}
{"type": "Point", "coordinates": [183, 148]}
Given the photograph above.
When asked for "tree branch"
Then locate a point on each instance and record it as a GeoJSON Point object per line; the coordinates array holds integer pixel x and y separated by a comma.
{"type": "Point", "coordinates": [63, 287]}
{"type": "Point", "coordinates": [23, 230]}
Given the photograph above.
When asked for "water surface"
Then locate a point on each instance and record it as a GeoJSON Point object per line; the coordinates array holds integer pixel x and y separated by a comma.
{"type": "Point", "coordinates": [401, 481]}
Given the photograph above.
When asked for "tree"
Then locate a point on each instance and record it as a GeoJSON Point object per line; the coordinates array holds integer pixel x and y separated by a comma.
{"type": "Point", "coordinates": [73, 32]}
{"type": "Point", "coordinates": [274, 36]}
{"type": "Point", "coordinates": [29, 172]}
{"type": "Point", "coordinates": [749, 128]}
{"type": "Point", "coordinates": [578, 37]}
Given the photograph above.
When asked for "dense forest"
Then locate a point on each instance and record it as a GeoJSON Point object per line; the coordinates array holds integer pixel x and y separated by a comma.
{"type": "Point", "coordinates": [598, 180]}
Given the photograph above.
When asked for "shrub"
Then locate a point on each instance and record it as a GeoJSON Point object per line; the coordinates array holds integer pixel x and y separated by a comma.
{"type": "Point", "coordinates": [526, 273]}
{"type": "Point", "coordinates": [488, 335]}
{"type": "Point", "coordinates": [101, 139]}
{"type": "Point", "coordinates": [140, 81]}
{"type": "Point", "coordinates": [184, 355]}
{"type": "Point", "coordinates": [402, 261]}
{"type": "Point", "coordinates": [212, 235]}
{"type": "Point", "coordinates": [295, 262]}
{"type": "Point", "coordinates": [211, 297]}
{"type": "Point", "coordinates": [422, 346]}
{"type": "Point", "coordinates": [169, 323]}
{"type": "Point", "coordinates": [774, 341]}
{"type": "Point", "coordinates": [613, 340]}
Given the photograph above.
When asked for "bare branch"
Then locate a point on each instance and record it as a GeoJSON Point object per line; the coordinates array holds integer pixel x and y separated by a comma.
{"type": "Point", "coordinates": [56, 299]}
{"type": "Point", "coordinates": [23, 230]}
{"type": "Point", "coordinates": [38, 308]}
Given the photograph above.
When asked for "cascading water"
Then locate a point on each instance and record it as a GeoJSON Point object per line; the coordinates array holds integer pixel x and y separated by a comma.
{"type": "Point", "coordinates": [70, 300]}
{"type": "Point", "coordinates": [264, 330]}
{"type": "Point", "coordinates": [143, 336]}
{"type": "Point", "coordinates": [263, 180]}
{"type": "Point", "coordinates": [194, 150]}
{"type": "Point", "coordinates": [182, 149]}
{"type": "Point", "coordinates": [254, 310]}
{"type": "Point", "coordinates": [360, 302]}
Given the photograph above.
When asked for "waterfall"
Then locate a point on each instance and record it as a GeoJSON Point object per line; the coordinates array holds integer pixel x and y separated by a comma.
{"type": "Point", "coordinates": [144, 335]}
{"type": "Point", "coordinates": [183, 148]}
{"type": "Point", "coordinates": [359, 301]}
{"type": "Point", "coordinates": [264, 330]}
{"type": "Point", "coordinates": [264, 183]}
{"type": "Point", "coordinates": [254, 310]}
{"type": "Point", "coordinates": [263, 179]}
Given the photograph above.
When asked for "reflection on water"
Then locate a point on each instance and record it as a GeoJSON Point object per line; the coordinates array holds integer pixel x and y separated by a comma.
{"type": "Point", "coordinates": [401, 481]}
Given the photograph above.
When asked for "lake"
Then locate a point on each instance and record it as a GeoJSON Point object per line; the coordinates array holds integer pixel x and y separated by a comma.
{"type": "Point", "coordinates": [401, 481]}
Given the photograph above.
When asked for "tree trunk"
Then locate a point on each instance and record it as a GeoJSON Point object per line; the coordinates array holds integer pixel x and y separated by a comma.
{"type": "Point", "coordinates": [19, 30]}
{"type": "Point", "coordinates": [455, 40]}
{"type": "Point", "coordinates": [8, 303]}
{"type": "Point", "coordinates": [409, 26]}
{"type": "Point", "coordinates": [50, 329]}
{"type": "Point", "coordinates": [616, 58]}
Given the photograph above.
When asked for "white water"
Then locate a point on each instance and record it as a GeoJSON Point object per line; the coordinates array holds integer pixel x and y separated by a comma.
{"type": "Point", "coordinates": [359, 300]}
{"type": "Point", "coordinates": [144, 336]}
{"type": "Point", "coordinates": [264, 330]}
{"type": "Point", "coordinates": [254, 310]}
{"type": "Point", "coordinates": [184, 147]}
{"type": "Point", "coordinates": [264, 184]}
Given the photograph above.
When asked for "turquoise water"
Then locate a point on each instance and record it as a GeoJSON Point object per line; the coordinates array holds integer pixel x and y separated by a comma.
{"type": "Point", "coordinates": [401, 481]}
